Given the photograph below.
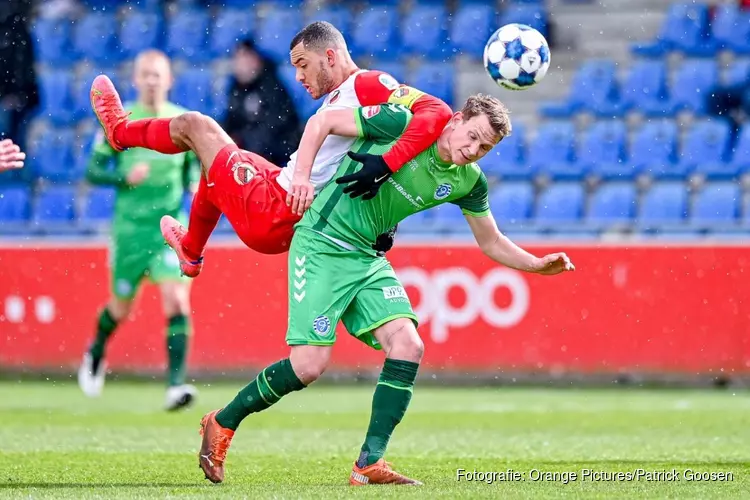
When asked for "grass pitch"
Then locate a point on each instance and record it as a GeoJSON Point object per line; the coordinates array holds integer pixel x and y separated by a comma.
{"type": "Point", "coordinates": [56, 443]}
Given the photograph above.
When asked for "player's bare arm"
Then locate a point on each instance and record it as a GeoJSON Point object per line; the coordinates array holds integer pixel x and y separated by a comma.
{"type": "Point", "coordinates": [11, 156]}
{"type": "Point", "coordinates": [501, 249]}
{"type": "Point", "coordinates": [334, 122]}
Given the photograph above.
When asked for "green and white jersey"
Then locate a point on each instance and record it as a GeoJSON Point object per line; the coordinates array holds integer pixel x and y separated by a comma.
{"type": "Point", "coordinates": [423, 183]}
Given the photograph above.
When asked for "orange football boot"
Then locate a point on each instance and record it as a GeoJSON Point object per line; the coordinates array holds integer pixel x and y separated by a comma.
{"type": "Point", "coordinates": [108, 108]}
{"type": "Point", "coordinates": [173, 233]}
{"type": "Point", "coordinates": [216, 441]}
{"type": "Point", "coordinates": [379, 473]}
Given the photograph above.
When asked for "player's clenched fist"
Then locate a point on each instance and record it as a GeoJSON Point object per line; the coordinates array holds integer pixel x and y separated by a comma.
{"type": "Point", "coordinates": [11, 155]}
{"type": "Point", "coordinates": [300, 195]}
{"type": "Point", "coordinates": [554, 263]}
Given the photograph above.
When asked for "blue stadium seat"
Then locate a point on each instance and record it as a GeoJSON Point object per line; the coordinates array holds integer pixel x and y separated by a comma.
{"type": "Point", "coordinates": [663, 206]}
{"type": "Point", "coordinates": [612, 204]}
{"type": "Point", "coordinates": [601, 150]}
{"type": "Point", "coordinates": [436, 79]}
{"type": "Point", "coordinates": [52, 156]}
{"type": "Point", "coordinates": [693, 84]}
{"type": "Point", "coordinates": [508, 159]}
{"type": "Point", "coordinates": [304, 104]}
{"type": "Point", "coordinates": [645, 87]}
{"type": "Point", "coordinates": [512, 203]}
{"type": "Point", "coordinates": [448, 218]}
{"type": "Point", "coordinates": [187, 35]}
{"type": "Point", "coordinates": [55, 97]}
{"type": "Point", "coordinates": [472, 25]}
{"type": "Point", "coordinates": [275, 32]}
{"type": "Point", "coordinates": [52, 39]}
{"type": "Point", "coordinates": [99, 208]}
{"type": "Point", "coordinates": [193, 89]}
{"type": "Point", "coordinates": [397, 69]}
{"type": "Point", "coordinates": [741, 150]}
{"type": "Point", "coordinates": [423, 32]}
{"type": "Point", "coordinates": [731, 28]}
{"type": "Point", "coordinates": [685, 29]}
{"type": "Point", "coordinates": [229, 27]}
{"type": "Point", "coordinates": [141, 31]}
{"type": "Point", "coordinates": [553, 153]}
{"type": "Point", "coordinates": [738, 74]}
{"type": "Point", "coordinates": [14, 208]}
{"type": "Point", "coordinates": [95, 38]}
{"type": "Point", "coordinates": [55, 210]}
{"type": "Point", "coordinates": [375, 34]}
{"type": "Point", "coordinates": [560, 205]}
{"type": "Point", "coordinates": [654, 148]}
{"type": "Point", "coordinates": [706, 148]}
{"type": "Point", "coordinates": [220, 98]}
{"type": "Point", "coordinates": [530, 14]}
{"type": "Point", "coordinates": [717, 206]}
{"type": "Point", "coordinates": [340, 16]}
{"type": "Point", "coordinates": [594, 88]}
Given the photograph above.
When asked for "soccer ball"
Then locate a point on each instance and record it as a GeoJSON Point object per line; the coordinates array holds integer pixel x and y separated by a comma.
{"type": "Point", "coordinates": [516, 56]}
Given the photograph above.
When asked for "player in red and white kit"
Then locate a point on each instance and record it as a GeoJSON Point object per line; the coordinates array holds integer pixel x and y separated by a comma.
{"type": "Point", "coordinates": [11, 156]}
{"type": "Point", "coordinates": [261, 201]}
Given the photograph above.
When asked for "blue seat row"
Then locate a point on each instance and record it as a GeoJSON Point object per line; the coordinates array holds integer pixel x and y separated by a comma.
{"type": "Point", "coordinates": [646, 89]}
{"type": "Point", "coordinates": [604, 150]}
{"type": "Point", "coordinates": [612, 205]}
{"type": "Point", "coordinates": [198, 35]}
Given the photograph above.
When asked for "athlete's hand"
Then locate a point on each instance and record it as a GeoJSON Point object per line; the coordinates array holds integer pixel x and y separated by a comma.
{"type": "Point", "coordinates": [10, 155]}
{"type": "Point", "coordinates": [554, 263]}
{"type": "Point", "coordinates": [137, 174]}
{"type": "Point", "coordinates": [300, 195]}
{"type": "Point", "coordinates": [366, 181]}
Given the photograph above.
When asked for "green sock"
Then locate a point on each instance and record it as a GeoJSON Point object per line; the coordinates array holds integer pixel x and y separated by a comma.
{"type": "Point", "coordinates": [273, 383]}
{"type": "Point", "coordinates": [389, 404]}
{"type": "Point", "coordinates": [105, 327]}
{"type": "Point", "coordinates": [178, 335]}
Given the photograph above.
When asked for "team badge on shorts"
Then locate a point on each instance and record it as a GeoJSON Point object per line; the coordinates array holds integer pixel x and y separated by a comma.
{"type": "Point", "coordinates": [243, 173]}
{"type": "Point", "coordinates": [443, 191]}
{"type": "Point", "coordinates": [322, 325]}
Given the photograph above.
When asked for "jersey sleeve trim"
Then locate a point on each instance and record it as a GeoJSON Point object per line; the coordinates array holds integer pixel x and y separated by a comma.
{"type": "Point", "coordinates": [358, 122]}
{"type": "Point", "coordinates": [476, 215]}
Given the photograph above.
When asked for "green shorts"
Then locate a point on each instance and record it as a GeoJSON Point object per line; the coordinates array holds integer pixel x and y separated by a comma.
{"type": "Point", "coordinates": [328, 283]}
{"type": "Point", "coordinates": [134, 257]}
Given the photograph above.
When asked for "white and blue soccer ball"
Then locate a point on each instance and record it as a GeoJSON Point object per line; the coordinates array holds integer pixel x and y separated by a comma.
{"type": "Point", "coordinates": [516, 56]}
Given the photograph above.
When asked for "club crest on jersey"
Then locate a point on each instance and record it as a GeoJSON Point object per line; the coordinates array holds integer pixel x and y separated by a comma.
{"type": "Point", "coordinates": [443, 191]}
{"type": "Point", "coordinates": [370, 111]}
{"type": "Point", "coordinates": [388, 81]}
{"type": "Point", "coordinates": [322, 325]}
{"type": "Point", "coordinates": [334, 96]}
{"type": "Point", "coordinates": [243, 173]}
{"type": "Point", "coordinates": [402, 92]}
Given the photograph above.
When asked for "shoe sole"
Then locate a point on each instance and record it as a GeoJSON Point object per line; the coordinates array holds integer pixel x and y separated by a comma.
{"type": "Point", "coordinates": [184, 401]}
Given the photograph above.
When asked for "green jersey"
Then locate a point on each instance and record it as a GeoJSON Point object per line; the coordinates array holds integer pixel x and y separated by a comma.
{"type": "Point", "coordinates": [139, 208]}
{"type": "Point", "coordinates": [423, 183]}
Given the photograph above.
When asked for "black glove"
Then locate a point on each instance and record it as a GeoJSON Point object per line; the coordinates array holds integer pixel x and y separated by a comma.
{"type": "Point", "coordinates": [366, 181]}
{"type": "Point", "coordinates": [384, 242]}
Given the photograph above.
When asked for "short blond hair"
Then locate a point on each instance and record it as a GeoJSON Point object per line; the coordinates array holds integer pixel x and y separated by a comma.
{"type": "Point", "coordinates": [496, 112]}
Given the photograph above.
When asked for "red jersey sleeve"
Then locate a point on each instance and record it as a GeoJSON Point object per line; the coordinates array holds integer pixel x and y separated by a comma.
{"type": "Point", "coordinates": [431, 114]}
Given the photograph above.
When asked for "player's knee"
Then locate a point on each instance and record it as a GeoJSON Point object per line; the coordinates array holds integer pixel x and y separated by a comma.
{"type": "Point", "coordinates": [176, 299]}
{"type": "Point", "coordinates": [404, 341]}
{"type": "Point", "coordinates": [119, 309]}
{"type": "Point", "coordinates": [191, 123]}
{"type": "Point", "coordinates": [309, 362]}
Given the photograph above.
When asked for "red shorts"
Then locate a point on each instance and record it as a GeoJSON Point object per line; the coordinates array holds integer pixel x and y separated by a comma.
{"type": "Point", "coordinates": [243, 186]}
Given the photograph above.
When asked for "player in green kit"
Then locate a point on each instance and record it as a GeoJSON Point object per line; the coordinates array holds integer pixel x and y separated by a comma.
{"type": "Point", "coordinates": [334, 275]}
{"type": "Point", "coordinates": [148, 185]}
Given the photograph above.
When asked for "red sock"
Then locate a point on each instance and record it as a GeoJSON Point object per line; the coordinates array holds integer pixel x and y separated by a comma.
{"type": "Point", "coordinates": [203, 219]}
{"type": "Point", "coordinates": [149, 133]}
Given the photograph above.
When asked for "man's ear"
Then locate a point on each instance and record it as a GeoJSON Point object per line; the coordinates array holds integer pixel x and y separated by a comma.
{"type": "Point", "coordinates": [457, 118]}
{"type": "Point", "coordinates": [331, 57]}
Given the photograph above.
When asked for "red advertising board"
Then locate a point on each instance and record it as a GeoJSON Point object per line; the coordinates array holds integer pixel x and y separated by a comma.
{"type": "Point", "coordinates": [680, 309]}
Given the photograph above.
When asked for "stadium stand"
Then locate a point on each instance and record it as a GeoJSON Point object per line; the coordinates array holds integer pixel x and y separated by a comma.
{"type": "Point", "coordinates": [631, 147]}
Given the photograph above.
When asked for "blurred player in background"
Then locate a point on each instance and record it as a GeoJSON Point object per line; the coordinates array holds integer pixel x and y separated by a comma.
{"type": "Point", "coordinates": [149, 185]}
{"type": "Point", "coordinates": [11, 156]}
{"type": "Point", "coordinates": [249, 190]}
{"type": "Point", "coordinates": [345, 280]}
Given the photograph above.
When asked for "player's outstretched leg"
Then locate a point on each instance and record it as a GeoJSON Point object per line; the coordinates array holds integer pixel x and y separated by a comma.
{"type": "Point", "coordinates": [304, 365]}
{"type": "Point", "coordinates": [403, 349]}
